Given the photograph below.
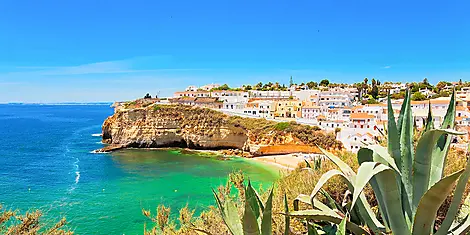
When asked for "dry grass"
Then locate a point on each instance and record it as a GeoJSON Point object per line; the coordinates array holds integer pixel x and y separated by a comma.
{"type": "Point", "coordinates": [12, 223]}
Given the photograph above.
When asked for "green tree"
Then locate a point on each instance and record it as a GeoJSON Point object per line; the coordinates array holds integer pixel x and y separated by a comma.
{"type": "Point", "coordinates": [291, 81]}
{"type": "Point", "coordinates": [418, 96]}
{"type": "Point", "coordinates": [375, 91]}
{"type": "Point", "coordinates": [312, 85]}
{"type": "Point", "coordinates": [444, 94]}
{"type": "Point", "coordinates": [247, 87]}
{"type": "Point", "coordinates": [425, 81]}
{"type": "Point", "coordinates": [399, 95]}
{"type": "Point", "coordinates": [223, 87]}
{"type": "Point", "coordinates": [258, 86]}
{"type": "Point", "coordinates": [324, 82]}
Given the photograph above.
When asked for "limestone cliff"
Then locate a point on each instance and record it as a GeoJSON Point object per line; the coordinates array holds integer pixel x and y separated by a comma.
{"type": "Point", "coordinates": [157, 126]}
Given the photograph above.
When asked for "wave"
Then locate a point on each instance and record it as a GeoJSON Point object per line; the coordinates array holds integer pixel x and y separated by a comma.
{"type": "Point", "coordinates": [77, 177]}
{"type": "Point", "coordinates": [96, 135]}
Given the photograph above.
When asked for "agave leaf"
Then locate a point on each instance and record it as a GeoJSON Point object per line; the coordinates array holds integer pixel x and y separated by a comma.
{"type": "Point", "coordinates": [393, 135]}
{"type": "Point", "coordinates": [287, 218]}
{"type": "Point", "coordinates": [249, 221]}
{"type": "Point", "coordinates": [429, 121]}
{"type": "Point", "coordinates": [406, 147]}
{"type": "Point", "coordinates": [252, 197]}
{"type": "Point", "coordinates": [455, 204]}
{"type": "Point", "coordinates": [349, 176]}
{"type": "Point", "coordinates": [382, 156]}
{"type": "Point", "coordinates": [422, 163]}
{"type": "Point", "coordinates": [324, 178]}
{"type": "Point", "coordinates": [342, 227]}
{"type": "Point", "coordinates": [345, 168]}
{"type": "Point", "coordinates": [301, 198]}
{"type": "Point", "coordinates": [439, 153]}
{"type": "Point", "coordinates": [311, 230]}
{"type": "Point", "coordinates": [391, 194]}
{"type": "Point", "coordinates": [325, 216]}
{"type": "Point", "coordinates": [366, 171]}
{"type": "Point", "coordinates": [430, 203]}
{"type": "Point", "coordinates": [308, 164]}
{"type": "Point", "coordinates": [316, 203]}
{"type": "Point", "coordinates": [402, 112]}
{"type": "Point", "coordinates": [266, 221]}
{"type": "Point", "coordinates": [367, 155]}
{"type": "Point", "coordinates": [229, 214]}
{"type": "Point", "coordinates": [331, 202]}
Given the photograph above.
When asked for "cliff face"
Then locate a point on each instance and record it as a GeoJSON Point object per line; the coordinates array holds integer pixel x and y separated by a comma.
{"type": "Point", "coordinates": [156, 126]}
{"type": "Point", "coordinates": [171, 127]}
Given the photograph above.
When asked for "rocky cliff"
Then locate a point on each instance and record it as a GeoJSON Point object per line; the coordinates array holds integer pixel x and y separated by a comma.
{"type": "Point", "coordinates": [155, 126]}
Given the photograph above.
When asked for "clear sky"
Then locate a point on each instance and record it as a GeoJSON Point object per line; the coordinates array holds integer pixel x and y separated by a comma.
{"type": "Point", "coordinates": [92, 50]}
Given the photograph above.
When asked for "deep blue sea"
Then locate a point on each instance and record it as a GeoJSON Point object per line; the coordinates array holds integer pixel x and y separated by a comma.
{"type": "Point", "coordinates": [46, 163]}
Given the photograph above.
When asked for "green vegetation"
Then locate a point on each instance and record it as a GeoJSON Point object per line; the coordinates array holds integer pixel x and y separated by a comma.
{"type": "Point", "coordinates": [156, 107]}
{"type": "Point", "coordinates": [31, 223]}
{"type": "Point", "coordinates": [418, 96]}
{"type": "Point", "coordinates": [409, 185]}
{"type": "Point", "coordinates": [324, 82]}
{"type": "Point", "coordinates": [282, 126]}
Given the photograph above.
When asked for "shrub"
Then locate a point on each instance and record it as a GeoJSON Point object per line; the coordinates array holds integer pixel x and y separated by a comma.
{"type": "Point", "coordinates": [282, 126]}
{"type": "Point", "coordinates": [30, 223]}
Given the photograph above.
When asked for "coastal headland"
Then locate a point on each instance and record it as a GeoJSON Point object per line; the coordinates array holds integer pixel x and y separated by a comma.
{"type": "Point", "coordinates": [150, 125]}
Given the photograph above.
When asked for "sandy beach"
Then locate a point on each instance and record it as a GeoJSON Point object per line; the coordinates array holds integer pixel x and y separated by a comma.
{"type": "Point", "coordinates": [285, 161]}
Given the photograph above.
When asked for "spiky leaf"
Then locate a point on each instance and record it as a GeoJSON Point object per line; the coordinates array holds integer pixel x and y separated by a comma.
{"type": "Point", "coordinates": [342, 227]}
{"type": "Point", "coordinates": [230, 216]}
{"type": "Point", "coordinates": [325, 216]}
{"type": "Point", "coordinates": [253, 199]}
{"type": "Point", "coordinates": [366, 171]}
{"type": "Point", "coordinates": [349, 176]}
{"type": "Point", "coordinates": [286, 214]}
{"type": "Point", "coordinates": [441, 149]}
{"type": "Point", "coordinates": [455, 204]}
{"type": "Point", "coordinates": [429, 121]}
{"type": "Point", "coordinates": [406, 147]}
{"type": "Point", "coordinates": [393, 135]}
{"type": "Point", "coordinates": [249, 221]}
{"type": "Point", "coordinates": [311, 230]}
{"type": "Point", "coordinates": [391, 194]}
{"type": "Point", "coordinates": [430, 203]}
{"type": "Point", "coordinates": [423, 161]}
{"type": "Point", "coordinates": [266, 221]}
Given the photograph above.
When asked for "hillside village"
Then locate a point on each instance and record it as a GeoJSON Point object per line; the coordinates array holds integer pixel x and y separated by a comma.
{"type": "Point", "coordinates": [356, 116]}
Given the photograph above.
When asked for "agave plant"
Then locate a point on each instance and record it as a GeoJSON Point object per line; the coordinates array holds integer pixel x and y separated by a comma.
{"type": "Point", "coordinates": [408, 183]}
{"type": "Point", "coordinates": [256, 219]}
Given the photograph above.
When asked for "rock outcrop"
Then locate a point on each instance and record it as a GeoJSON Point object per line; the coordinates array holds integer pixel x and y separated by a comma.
{"type": "Point", "coordinates": [156, 126]}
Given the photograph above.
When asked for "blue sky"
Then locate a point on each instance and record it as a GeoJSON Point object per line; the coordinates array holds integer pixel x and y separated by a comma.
{"type": "Point", "coordinates": [92, 50]}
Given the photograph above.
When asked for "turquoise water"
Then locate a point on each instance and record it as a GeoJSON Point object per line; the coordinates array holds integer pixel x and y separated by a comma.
{"type": "Point", "coordinates": [46, 163]}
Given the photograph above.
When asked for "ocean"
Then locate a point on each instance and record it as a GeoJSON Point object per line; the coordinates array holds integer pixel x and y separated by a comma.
{"type": "Point", "coordinates": [46, 163]}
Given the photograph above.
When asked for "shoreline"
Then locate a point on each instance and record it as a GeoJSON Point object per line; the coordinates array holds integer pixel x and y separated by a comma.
{"type": "Point", "coordinates": [281, 161]}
